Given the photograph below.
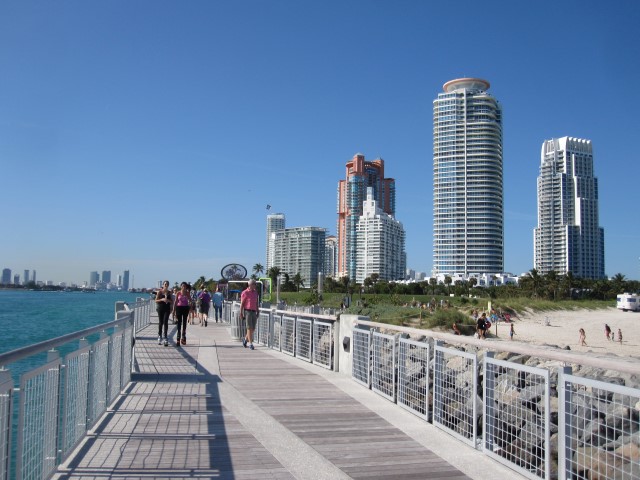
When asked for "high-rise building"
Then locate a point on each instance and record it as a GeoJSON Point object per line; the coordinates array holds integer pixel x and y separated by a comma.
{"type": "Point", "coordinates": [468, 218]}
{"type": "Point", "coordinates": [26, 277]}
{"type": "Point", "coordinates": [34, 277]}
{"type": "Point", "coordinates": [94, 278]}
{"type": "Point", "coordinates": [352, 192]}
{"type": "Point", "coordinates": [125, 280]}
{"type": "Point", "coordinates": [300, 250]}
{"type": "Point", "coordinates": [106, 276]}
{"type": "Point", "coordinates": [275, 223]}
{"type": "Point", "coordinates": [381, 241]}
{"type": "Point", "coordinates": [568, 238]}
{"type": "Point", "coordinates": [16, 279]}
{"type": "Point", "coordinates": [6, 276]}
{"type": "Point", "coordinates": [331, 256]}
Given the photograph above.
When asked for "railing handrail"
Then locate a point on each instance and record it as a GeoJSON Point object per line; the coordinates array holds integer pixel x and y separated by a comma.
{"type": "Point", "coordinates": [24, 352]}
{"type": "Point", "coordinates": [329, 318]}
{"type": "Point", "coordinates": [621, 364]}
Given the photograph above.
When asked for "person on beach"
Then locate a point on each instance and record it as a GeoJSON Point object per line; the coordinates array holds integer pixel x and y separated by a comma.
{"type": "Point", "coordinates": [620, 336]}
{"type": "Point", "coordinates": [218, 298]}
{"type": "Point", "coordinates": [607, 332]}
{"type": "Point", "coordinates": [583, 337]}
{"type": "Point", "coordinates": [249, 311]}
{"type": "Point", "coordinates": [164, 303]}
{"type": "Point", "coordinates": [481, 326]}
{"type": "Point", "coordinates": [205, 299]}
{"type": "Point", "coordinates": [183, 305]}
{"type": "Point", "coordinates": [512, 332]}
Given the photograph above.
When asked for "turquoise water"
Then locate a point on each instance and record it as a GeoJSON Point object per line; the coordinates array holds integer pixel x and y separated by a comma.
{"type": "Point", "coordinates": [28, 317]}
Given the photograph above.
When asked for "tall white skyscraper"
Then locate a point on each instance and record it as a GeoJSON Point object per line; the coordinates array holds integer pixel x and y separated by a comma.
{"type": "Point", "coordinates": [568, 237]}
{"type": "Point", "coordinates": [275, 223]}
{"type": "Point", "coordinates": [381, 243]}
{"type": "Point", "coordinates": [468, 218]}
{"type": "Point", "coordinates": [331, 256]}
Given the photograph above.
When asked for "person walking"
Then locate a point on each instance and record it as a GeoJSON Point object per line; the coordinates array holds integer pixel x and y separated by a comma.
{"type": "Point", "coordinates": [218, 299]}
{"type": "Point", "coordinates": [164, 302]}
{"type": "Point", "coordinates": [583, 337]}
{"type": "Point", "coordinates": [620, 336]}
{"type": "Point", "coordinates": [205, 300]}
{"type": "Point", "coordinates": [512, 332]}
{"type": "Point", "coordinates": [183, 305]}
{"type": "Point", "coordinates": [607, 332]}
{"type": "Point", "coordinates": [249, 311]}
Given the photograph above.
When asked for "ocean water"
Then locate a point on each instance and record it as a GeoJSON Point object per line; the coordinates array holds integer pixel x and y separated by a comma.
{"type": "Point", "coordinates": [28, 317]}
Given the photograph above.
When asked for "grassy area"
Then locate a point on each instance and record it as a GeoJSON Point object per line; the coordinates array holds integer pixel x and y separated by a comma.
{"type": "Point", "coordinates": [406, 309]}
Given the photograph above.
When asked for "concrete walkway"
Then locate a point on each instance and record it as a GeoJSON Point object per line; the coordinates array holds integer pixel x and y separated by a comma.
{"type": "Point", "coordinates": [213, 409]}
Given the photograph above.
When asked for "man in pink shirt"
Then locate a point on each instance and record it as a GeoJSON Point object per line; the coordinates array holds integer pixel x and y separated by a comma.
{"type": "Point", "coordinates": [249, 311]}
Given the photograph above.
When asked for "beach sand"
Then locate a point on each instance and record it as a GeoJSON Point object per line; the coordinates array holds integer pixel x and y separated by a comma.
{"type": "Point", "coordinates": [563, 330]}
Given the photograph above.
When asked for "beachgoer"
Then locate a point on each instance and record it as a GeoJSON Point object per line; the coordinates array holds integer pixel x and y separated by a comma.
{"type": "Point", "coordinates": [512, 332]}
{"type": "Point", "coordinates": [218, 299]}
{"type": "Point", "coordinates": [164, 302]}
{"type": "Point", "coordinates": [205, 300]}
{"type": "Point", "coordinates": [183, 301]}
{"type": "Point", "coordinates": [249, 311]}
{"type": "Point", "coordinates": [620, 336]}
{"type": "Point", "coordinates": [456, 330]}
{"type": "Point", "coordinates": [607, 332]}
{"type": "Point", "coordinates": [192, 303]}
{"type": "Point", "coordinates": [583, 337]}
{"type": "Point", "coordinates": [481, 325]}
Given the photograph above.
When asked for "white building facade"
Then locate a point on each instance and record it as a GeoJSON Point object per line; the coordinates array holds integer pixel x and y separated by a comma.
{"type": "Point", "coordinates": [568, 238]}
{"type": "Point", "coordinates": [300, 250]}
{"type": "Point", "coordinates": [468, 218]}
{"type": "Point", "coordinates": [381, 244]}
{"type": "Point", "coordinates": [331, 256]}
{"type": "Point", "coordinates": [275, 223]}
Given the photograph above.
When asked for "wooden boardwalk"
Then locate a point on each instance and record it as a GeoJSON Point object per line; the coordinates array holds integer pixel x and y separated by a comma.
{"type": "Point", "coordinates": [213, 409]}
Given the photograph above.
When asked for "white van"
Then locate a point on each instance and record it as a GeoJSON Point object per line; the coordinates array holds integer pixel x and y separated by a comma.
{"type": "Point", "coordinates": [628, 301]}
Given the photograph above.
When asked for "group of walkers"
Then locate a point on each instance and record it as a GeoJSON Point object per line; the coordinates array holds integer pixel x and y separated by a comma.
{"type": "Point", "coordinates": [181, 304]}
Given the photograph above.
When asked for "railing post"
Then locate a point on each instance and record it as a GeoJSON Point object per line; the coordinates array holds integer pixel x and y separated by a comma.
{"type": "Point", "coordinates": [489, 414]}
{"type": "Point", "coordinates": [565, 420]}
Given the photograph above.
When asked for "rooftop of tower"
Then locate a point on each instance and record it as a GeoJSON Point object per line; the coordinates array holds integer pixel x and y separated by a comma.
{"type": "Point", "coordinates": [468, 83]}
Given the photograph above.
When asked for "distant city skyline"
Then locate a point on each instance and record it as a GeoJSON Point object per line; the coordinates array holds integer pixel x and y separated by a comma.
{"type": "Point", "coordinates": [151, 137]}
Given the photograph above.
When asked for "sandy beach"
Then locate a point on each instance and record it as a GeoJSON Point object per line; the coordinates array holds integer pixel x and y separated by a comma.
{"type": "Point", "coordinates": [563, 330]}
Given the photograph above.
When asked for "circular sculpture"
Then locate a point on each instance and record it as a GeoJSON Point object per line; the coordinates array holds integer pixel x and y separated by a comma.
{"type": "Point", "coordinates": [233, 271]}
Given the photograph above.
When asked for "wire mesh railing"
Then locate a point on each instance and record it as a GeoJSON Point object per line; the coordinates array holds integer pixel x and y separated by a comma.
{"type": "Point", "coordinates": [46, 409]}
{"type": "Point", "coordinates": [522, 410]}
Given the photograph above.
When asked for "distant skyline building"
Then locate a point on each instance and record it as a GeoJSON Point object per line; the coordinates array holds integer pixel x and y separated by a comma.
{"type": "Point", "coordinates": [300, 250]}
{"type": "Point", "coordinates": [26, 277]}
{"type": "Point", "coordinates": [275, 223]}
{"type": "Point", "coordinates": [6, 276]}
{"type": "Point", "coordinates": [125, 280]}
{"type": "Point", "coordinates": [106, 276]}
{"type": "Point", "coordinates": [468, 215]}
{"type": "Point", "coordinates": [381, 244]}
{"type": "Point", "coordinates": [94, 278]}
{"type": "Point", "coordinates": [352, 192]}
{"type": "Point", "coordinates": [331, 256]}
{"type": "Point", "coordinates": [568, 238]}
{"type": "Point", "coordinates": [16, 279]}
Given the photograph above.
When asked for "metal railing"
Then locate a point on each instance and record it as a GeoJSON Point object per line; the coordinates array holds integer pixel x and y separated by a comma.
{"type": "Point", "coordinates": [46, 410]}
{"type": "Point", "coordinates": [523, 410]}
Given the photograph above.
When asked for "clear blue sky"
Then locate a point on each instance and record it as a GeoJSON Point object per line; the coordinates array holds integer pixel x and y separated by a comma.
{"type": "Point", "coordinates": [151, 135]}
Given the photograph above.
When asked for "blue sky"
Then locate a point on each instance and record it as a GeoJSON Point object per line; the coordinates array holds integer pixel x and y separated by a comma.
{"type": "Point", "coordinates": [151, 135]}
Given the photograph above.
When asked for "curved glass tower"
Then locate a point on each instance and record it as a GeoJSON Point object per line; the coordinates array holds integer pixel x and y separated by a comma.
{"type": "Point", "coordinates": [468, 219]}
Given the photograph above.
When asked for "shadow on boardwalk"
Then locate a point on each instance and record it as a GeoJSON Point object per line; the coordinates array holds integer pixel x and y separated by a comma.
{"type": "Point", "coordinates": [213, 409]}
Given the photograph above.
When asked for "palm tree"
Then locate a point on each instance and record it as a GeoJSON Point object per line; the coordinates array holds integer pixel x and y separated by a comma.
{"type": "Point", "coordinates": [297, 281]}
{"type": "Point", "coordinates": [273, 274]}
{"type": "Point", "coordinates": [447, 281]}
{"type": "Point", "coordinates": [433, 282]}
{"type": "Point", "coordinates": [258, 269]}
{"type": "Point", "coordinates": [473, 281]}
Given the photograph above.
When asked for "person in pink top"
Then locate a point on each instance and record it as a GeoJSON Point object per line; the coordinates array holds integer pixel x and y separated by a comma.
{"type": "Point", "coordinates": [249, 311]}
{"type": "Point", "coordinates": [182, 302]}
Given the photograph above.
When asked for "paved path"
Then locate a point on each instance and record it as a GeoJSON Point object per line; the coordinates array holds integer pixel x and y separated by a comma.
{"type": "Point", "coordinates": [214, 409]}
